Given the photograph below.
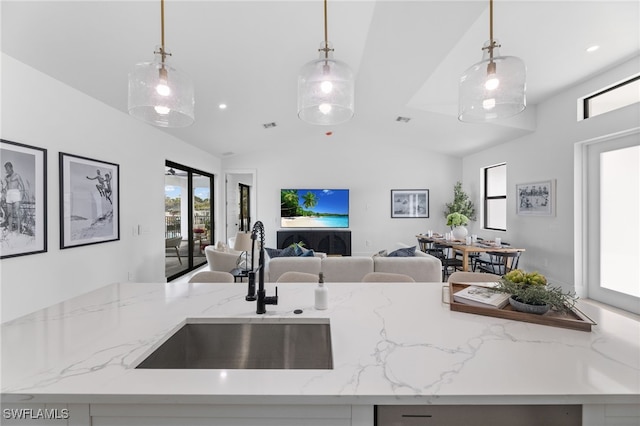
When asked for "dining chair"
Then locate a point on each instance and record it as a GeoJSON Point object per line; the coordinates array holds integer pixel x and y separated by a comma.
{"type": "Point", "coordinates": [212, 277]}
{"type": "Point", "coordinates": [428, 247]}
{"type": "Point", "coordinates": [482, 257]}
{"type": "Point", "coordinates": [297, 277]}
{"type": "Point", "coordinates": [387, 277]}
{"type": "Point", "coordinates": [443, 252]}
{"type": "Point", "coordinates": [498, 263]}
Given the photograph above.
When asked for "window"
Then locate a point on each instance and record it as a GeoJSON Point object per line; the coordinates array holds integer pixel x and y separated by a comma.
{"type": "Point", "coordinates": [612, 98]}
{"type": "Point", "coordinates": [495, 197]}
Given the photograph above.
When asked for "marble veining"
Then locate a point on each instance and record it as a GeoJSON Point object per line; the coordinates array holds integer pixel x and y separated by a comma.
{"type": "Point", "coordinates": [392, 343]}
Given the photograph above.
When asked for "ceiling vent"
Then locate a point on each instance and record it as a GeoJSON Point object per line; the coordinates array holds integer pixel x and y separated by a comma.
{"type": "Point", "coordinates": [269, 125]}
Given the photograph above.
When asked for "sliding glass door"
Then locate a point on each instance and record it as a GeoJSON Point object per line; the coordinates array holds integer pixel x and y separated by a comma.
{"type": "Point", "coordinates": [188, 218]}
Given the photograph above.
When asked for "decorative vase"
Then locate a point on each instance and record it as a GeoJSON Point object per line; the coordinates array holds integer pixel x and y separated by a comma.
{"type": "Point", "coordinates": [459, 232]}
{"type": "Point", "coordinates": [527, 308]}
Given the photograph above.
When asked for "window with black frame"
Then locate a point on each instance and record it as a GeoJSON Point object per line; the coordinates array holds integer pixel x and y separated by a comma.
{"type": "Point", "coordinates": [495, 197]}
{"type": "Point", "coordinates": [611, 98]}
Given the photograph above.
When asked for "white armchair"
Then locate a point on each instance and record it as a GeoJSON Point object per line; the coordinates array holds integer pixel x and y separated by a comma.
{"type": "Point", "coordinates": [221, 260]}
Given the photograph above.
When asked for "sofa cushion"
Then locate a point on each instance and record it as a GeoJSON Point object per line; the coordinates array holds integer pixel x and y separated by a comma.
{"type": "Point", "coordinates": [279, 265]}
{"type": "Point", "coordinates": [403, 252]}
{"type": "Point", "coordinates": [421, 268]}
{"type": "Point", "coordinates": [346, 269]}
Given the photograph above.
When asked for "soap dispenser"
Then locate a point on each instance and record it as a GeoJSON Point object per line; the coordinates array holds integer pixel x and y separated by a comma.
{"type": "Point", "coordinates": [322, 294]}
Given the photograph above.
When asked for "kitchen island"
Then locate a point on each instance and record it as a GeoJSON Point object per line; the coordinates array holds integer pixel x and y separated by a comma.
{"type": "Point", "coordinates": [393, 344]}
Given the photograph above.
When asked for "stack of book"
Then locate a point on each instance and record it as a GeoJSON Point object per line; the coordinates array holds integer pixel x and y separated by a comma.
{"type": "Point", "coordinates": [481, 295]}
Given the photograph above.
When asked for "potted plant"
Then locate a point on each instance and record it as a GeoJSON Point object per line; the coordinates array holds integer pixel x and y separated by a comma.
{"type": "Point", "coordinates": [457, 222]}
{"type": "Point", "coordinates": [461, 203]}
{"type": "Point", "coordinates": [531, 293]}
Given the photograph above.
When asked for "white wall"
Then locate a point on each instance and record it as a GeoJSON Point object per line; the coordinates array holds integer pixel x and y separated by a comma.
{"type": "Point", "coordinates": [40, 111]}
{"type": "Point", "coordinates": [370, 166]}
{"type": "Point", "coordinates": [548, 153]}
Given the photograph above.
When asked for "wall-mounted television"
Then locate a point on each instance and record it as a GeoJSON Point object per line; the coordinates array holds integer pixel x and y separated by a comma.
{"type": "Point", "coordinates": [314, 208]}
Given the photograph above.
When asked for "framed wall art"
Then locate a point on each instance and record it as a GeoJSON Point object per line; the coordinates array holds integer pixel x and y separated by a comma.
{"type": "Point", "coordinates": [409, 203]}
{"type": "Point", "coordinates": [23, 202]}
{"type": "Point", "coordinates": [89, 201]}
{"type": "Point", "coordinates": [536, 198]}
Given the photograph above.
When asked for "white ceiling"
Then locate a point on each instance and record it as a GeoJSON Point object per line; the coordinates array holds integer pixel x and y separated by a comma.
{"type": "Point", "coordinates": [407, 57]}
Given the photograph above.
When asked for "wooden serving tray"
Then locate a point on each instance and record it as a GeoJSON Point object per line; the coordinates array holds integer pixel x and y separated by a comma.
{"type": "Point", "coordinates": [574, 319]}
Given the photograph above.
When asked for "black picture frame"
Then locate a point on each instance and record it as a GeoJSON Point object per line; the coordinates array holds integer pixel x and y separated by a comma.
{"type": "Point", "coordinates": [409, 203]}
{"type": "Point", "coordinates": [536, 198]}
{"type": "Point", "coordinates": [89, 201]}
{"type": "Point", "coordinates": [23, 203]}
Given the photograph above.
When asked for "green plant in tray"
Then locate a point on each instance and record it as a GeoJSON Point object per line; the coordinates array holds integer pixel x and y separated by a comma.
{"type": "Point", "coordinates": [532, 288]}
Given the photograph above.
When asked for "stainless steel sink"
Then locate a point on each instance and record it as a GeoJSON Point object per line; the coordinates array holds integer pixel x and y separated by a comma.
{"type": "Point", "coordinates": [243, 344]}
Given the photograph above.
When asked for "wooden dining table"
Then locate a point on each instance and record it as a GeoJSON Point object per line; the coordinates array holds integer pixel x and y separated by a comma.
{"type": "Point", "coordinates": [477, 247]}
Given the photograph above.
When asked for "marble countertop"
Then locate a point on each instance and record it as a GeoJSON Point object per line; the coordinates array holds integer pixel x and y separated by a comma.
{"type": "Point", "coordinates": [392, 343]}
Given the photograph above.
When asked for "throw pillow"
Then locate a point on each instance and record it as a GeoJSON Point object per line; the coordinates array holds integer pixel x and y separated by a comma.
{"type": "Point", "coordinates": [404, 252]}
{"type": "Point", "coordinates": [381, 253]}
{"type": "Point", "coordinates": [273, 252]}
{"type": "Point", "coordinates": [288, 252]}
{"type": "Point", "coordinates": [299, 251]}
{"type": "Point", "coordinates": [308, 253]}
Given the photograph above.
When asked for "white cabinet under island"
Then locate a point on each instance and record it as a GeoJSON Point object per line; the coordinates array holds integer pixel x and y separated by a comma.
{"type": "Point", "coordinates": [393, 345]}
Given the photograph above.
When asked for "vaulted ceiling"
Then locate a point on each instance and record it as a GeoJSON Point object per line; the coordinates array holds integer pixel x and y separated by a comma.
{"type": "Point", "coordinates": [407, 57]}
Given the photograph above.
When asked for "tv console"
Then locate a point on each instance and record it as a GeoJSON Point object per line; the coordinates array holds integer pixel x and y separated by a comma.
{"type": "Point", "coordinates": [328, 241]}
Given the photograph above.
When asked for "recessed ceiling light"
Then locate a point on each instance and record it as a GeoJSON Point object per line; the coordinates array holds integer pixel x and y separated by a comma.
{"type": "Point", "coordinates": [222, 106]}
{"type": "Point", "coordinates": [593, 48]}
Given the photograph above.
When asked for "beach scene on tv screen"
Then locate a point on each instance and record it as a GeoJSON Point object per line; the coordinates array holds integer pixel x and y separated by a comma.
{"type": "Point", "coordinates": [314, 208]}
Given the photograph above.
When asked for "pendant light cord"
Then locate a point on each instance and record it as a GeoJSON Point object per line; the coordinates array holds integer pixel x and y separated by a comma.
{"type": "Point", "coordinates": [325, 49]}
{"type": "Point", "coordinates": [492, 43]}
{"type": "Point", "coordinates": [162, 26]}
{"type": "Point", "coordinates": [491, 66]}
{"type": "Point", "coordinates": [162, 51]}
{"type": "Point", "coordinates": [491, 20]}
{"type": "Point", "coordinates": [326, 37]}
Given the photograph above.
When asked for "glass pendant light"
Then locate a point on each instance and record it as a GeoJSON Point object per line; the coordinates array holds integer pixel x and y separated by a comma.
{"type": "Point", "coordinates": [493, 88]}
{"type": "Point", "coordinates": [326, 87]}
{"type": "Point", "coordinates": [158, 93]}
